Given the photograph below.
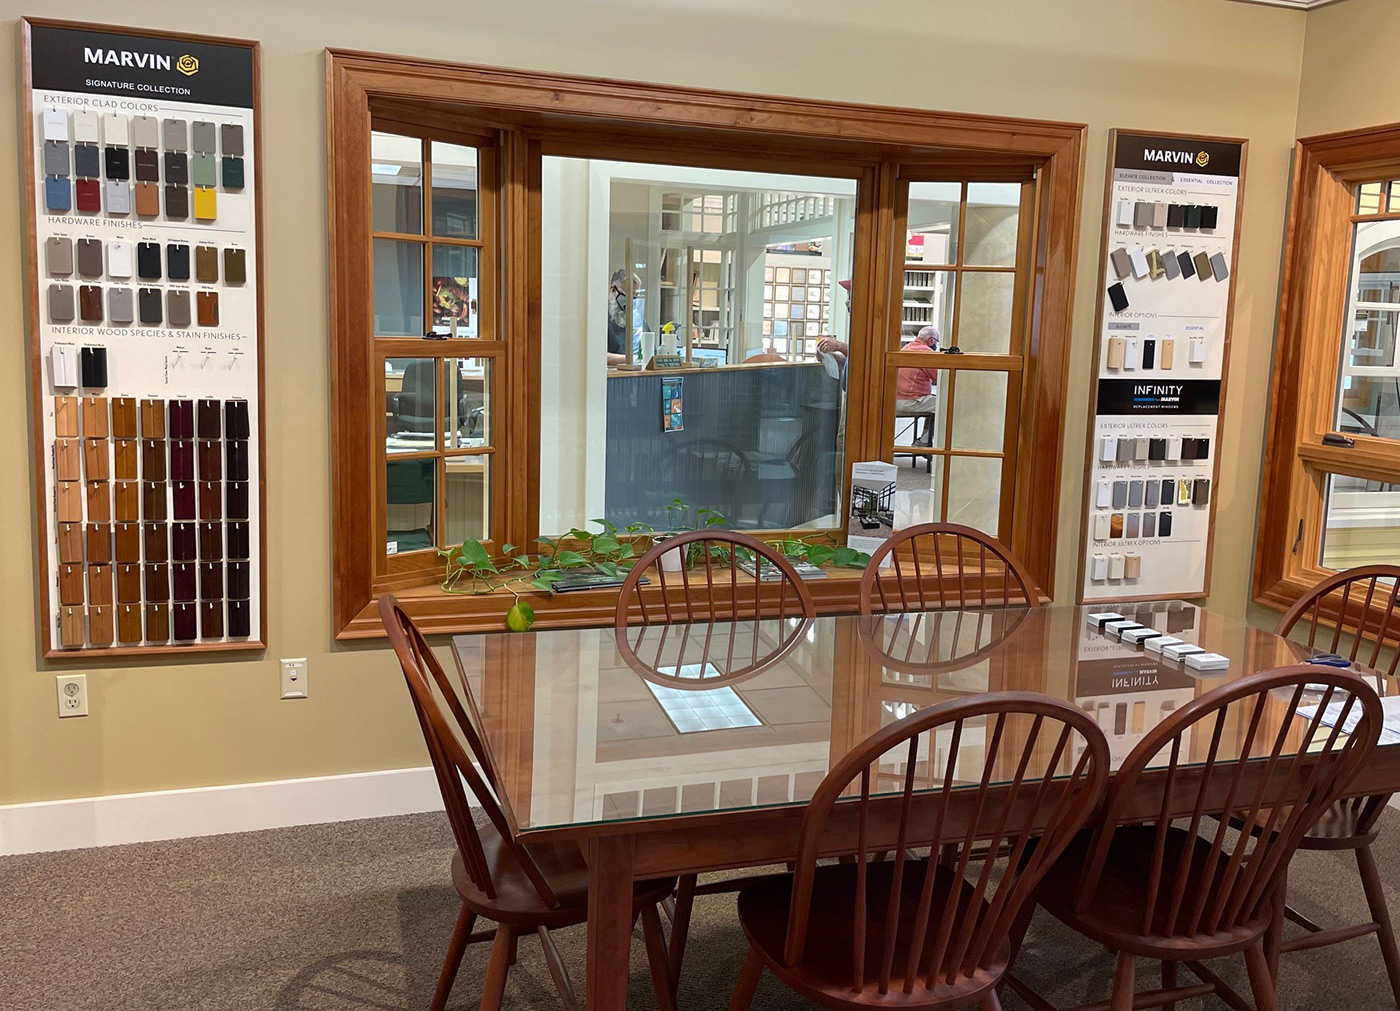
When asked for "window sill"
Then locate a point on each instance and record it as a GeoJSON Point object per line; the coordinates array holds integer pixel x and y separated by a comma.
{"type": "Point", "coordinates": [438, 612]}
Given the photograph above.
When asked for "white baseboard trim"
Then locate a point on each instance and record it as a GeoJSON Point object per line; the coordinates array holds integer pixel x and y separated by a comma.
{"type": "Point", "coordinates": [214, 810]}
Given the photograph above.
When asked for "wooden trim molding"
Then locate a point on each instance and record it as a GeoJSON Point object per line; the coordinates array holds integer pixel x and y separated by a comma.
{"type": "Point", "coordinates": [1312, 309]}
{"type": "Point", "coordinates": [538, 111]}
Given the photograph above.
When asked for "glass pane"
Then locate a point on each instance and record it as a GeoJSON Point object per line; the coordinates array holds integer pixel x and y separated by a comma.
{"type": "Point", "coordinates": [1394, 203]}
{"type": "Point", "coordinates": [396, 183]}
{"type": "Point", "coordinates": [928, 303]}
{"type": "Point", "coordinates": [933, 223]}
{"type": "Point", "coordinates": [974, 492]}
{"type": "Point", "coordinates": [466, 406]}
{"type": "Point", "coordinates": [752, 280]}
{"type": "Point", "coordinates": [410, 404]}
{"type": "Point", "coordinates": [993, 215]}
{"type": "Point", "coordinates": [398, 288]}
{"type": "Point", "coordinates": [455, 190]}
{"type": "Point", "coordinates": [918, 409]}
{"type": "Point", "coordinates": [468, 498]}
{"type": "Point", "coordinates": [979, 410]}
{"type": "Point", "coordinates": [984, 321]}
{"type": "Point", "coordinates": [456, 310]}
{"type": "Point", "coordinates": [410, 488]}
{"type": "Point", "coordinates": [1368, 198]}
{"type": "Point", "coordinates": [1368, 393]}
{"type": "Point", "coordinates": [1362, 524]}
{"type": "Point", "coordinates": [918, 496]}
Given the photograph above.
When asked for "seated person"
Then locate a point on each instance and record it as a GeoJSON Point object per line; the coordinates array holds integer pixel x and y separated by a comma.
{"type": "Point", "coordinates": [617, 318]}
{"type": "Point", "coordinates": [916, 390]}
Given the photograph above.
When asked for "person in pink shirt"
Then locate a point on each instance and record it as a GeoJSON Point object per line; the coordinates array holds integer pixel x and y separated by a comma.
{"type": "Point", "coordinates": [916, 390]}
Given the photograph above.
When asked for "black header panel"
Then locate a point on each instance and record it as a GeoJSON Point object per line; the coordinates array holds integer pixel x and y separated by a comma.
{"type": "Point", "coordinates": [140, 66]}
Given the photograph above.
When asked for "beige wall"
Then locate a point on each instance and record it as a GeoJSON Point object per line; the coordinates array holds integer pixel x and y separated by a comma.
{"type": "Point", "coordinates": [1349, 79]}
{"type": "Point", "coordinates": [1186, 65]}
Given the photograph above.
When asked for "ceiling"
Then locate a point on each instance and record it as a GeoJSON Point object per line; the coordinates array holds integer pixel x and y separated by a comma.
{"type": "Point", "coordinates": [1301, 4]}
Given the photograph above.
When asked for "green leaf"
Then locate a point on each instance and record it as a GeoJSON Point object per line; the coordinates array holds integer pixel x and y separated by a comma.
{"type": "Point", "coordinates": [819, 554]}
{"type": "Point", "coordinates": [520, 617]}
{"type": "Point", "coordinates": [608, 569]}
{"type": "Point", "coordinates": [606, 544]}
{"type": "Point", "coordinates": [715, 521]}
{"type": "Point", "coordinates": [580, 535]}
{"type": "Point", "coordinates": [626, 551]}
{"type": "Point", "coordinates": [508, 549]}
{"type": "Point", "coordinates": [570, 558]}
{"type": "Point", "coordinates": [843, 557]}
{"type": "Point", "coordinates": [475, 552]}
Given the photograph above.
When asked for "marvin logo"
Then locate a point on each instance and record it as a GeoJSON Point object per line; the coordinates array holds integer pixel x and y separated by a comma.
{"type": "Point", "coordinates": [128, 58]}
{"type": "Point", "coordinates": [1176, 157]}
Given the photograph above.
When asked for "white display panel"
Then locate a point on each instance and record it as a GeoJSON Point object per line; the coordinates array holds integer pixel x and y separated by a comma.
{"type": "Point", "coordinates": [144, 240]}
{"type": "Point", "coordinates": [1160, 357]}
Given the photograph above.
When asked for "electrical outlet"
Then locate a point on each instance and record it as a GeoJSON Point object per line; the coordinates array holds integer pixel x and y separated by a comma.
{"type": "Point", "coordinates": [72, 695]}
{"type": "Point", "coordinates": [294, 684]}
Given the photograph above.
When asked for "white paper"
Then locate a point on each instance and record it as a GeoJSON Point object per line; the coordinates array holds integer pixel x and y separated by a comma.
{"type": "Point", "coordinates": [1390, 707]}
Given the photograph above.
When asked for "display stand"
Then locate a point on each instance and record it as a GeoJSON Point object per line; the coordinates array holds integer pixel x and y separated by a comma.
{"type": "Point", "coordinates": [1171, 223]}
{"type": "Point", "coordinates": [145, 335]}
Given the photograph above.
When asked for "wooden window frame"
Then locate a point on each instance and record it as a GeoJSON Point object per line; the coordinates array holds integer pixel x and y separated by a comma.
{"type": "Point", "coordinates": [1313, 303]}
{"type": "Point", "coordinates": [662, 123]}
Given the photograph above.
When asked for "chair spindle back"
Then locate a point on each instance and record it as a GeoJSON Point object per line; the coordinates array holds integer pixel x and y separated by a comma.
{"type": "Point", "coordinates": [1286, 766]}
{"type": "Point", "coordinates": [1046, 754]}
{"type": "Point", "coordinates": [1352, 593]}
{"type": "Point", "coordinates": [710, 561]}
{"type": "Point", "coordinates": [456, 751]}
{"type": "Point", "coordinates": [940, 566]}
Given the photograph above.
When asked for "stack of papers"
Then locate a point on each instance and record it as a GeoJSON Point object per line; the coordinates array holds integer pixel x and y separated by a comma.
{"type": "Point", "coordinates": [1390, 729]}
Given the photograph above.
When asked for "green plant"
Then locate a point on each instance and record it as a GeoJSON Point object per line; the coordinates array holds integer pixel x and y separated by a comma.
{"type": "Point", "coordinates": [471, 568]}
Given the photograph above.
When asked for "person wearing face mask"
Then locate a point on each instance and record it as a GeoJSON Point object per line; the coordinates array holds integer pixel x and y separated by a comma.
{"type": "Point", "coordinates": [617, 318]}
{"type": "Point", "coordinates": [916, 390]}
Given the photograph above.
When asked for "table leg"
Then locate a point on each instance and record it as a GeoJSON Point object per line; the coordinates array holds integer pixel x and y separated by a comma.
{"type": "Point", "coordinates": [609, 921]}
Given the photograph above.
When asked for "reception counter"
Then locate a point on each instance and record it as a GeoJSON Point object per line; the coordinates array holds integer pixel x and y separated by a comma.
{"type": "Point", "coordinates": [757, 443]}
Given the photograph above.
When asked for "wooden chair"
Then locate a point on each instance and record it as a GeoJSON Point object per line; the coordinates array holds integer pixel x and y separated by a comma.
{"type": "Point", "coordinates": [711, 562]}
{"type": "Point", "coordinates": [912, 933]}
{"type": "Point", "coordinates": [1206, 890]}
{"type": "Point", "coordinates": [524, 889]}
{"type": "Point", "coordinates": [706, 554]}
{"type": "Point", "coordinates": [924, 581]}
{"type": "Point", "coordinates": [1343, 602]}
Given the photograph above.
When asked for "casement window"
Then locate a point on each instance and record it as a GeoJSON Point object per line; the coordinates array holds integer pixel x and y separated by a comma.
{"type": "Point", "coordinates": [1332, 481]}
{"type": "Point", "coordinates": [509, 251]}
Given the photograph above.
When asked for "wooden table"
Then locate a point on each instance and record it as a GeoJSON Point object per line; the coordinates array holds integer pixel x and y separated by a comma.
{"type": "Point", "coordinates": [684, 749]}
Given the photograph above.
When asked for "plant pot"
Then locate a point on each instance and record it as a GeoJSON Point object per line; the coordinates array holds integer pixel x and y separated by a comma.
{"type": "Point", "coordinates": [669, 561]}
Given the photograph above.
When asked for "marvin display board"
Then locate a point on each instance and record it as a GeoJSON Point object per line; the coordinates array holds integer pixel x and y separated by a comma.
{"type": "Point", "coordinates": [1162, 346]}
{"type": "Point", "coordinates": [145, 330]}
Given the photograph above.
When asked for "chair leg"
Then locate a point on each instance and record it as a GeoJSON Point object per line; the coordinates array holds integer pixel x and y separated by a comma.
{"type": "Point", "coordinates": [680, 926]}
{"type": "Point", "coordinates": [991, 1002]}
{"type": "Point", "coordinates": [749, 976]}
{"type": "Point", "coordinates": [1273, 940]}
{"type": "Point", "coordinates": [1380, 912]}
{"type": "Point", "coordinates": [493, 990]}
{"type": "Point", "coordinates": [1169, 983]}
{"type": "Point", "coordinates": [456, 948]}
{"type": "Point", "coordinates": [1259, 979]}
{"type": "Point", "coordinates": [1124, 982]}
{"type": "Point", "coordinates": [656, 955]}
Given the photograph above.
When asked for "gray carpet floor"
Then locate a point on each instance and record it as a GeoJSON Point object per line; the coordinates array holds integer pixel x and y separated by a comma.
{"type": "Point", "coordinates": [357, 915]}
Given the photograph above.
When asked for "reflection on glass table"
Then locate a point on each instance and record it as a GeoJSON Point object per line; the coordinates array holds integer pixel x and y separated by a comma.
{"type": "Point", "coordinates": [580, 737]}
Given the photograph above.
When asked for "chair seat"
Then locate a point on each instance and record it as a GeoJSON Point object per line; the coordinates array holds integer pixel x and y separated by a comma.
{"type": "Point", "coordinates": [1339, 828]}
{"type": "Point", "coordinates": [825, 973]}
{"type": "Point", "coordinates": [1116, 917]}
{"type": "Point", "coordinates": [518, 902]}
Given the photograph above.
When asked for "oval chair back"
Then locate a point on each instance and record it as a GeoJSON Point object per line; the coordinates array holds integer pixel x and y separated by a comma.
{"type": "Point", "coordinates": [456, 751]}
{"type": "Point", "coordinates": [1342, 603]}
{"type": "Point", "coordinates": [1253, 813]}
{"type": "Point", "coordinates": [941, 566]}
{"type": "Point", "coordinates": [712, 585]}
{"type": "Point", "coordinates": [938, 926]}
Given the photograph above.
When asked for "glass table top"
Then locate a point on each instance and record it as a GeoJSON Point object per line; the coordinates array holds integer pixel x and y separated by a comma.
{"type": "Point", "coordinates": [587, 726]}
